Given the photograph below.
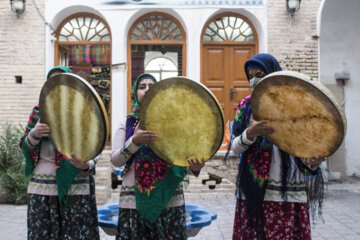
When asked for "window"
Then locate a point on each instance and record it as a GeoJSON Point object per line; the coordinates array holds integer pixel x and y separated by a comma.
{"type": "Point", "coordinates": [161, 68]}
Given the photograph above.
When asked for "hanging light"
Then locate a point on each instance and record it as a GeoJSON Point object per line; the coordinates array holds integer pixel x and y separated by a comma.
{"type": "Point", "coordinates": [292, 6]}
{"type": "Point", "coordinates": [17, 6]}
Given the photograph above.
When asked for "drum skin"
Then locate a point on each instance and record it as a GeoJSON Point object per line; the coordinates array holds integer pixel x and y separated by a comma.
{"type": "Point", "coordinates": [76, 115]}
{"type": "Point", "coordinates": [305, 114]}
{"type": "Point", "coordinates": [186, 117]}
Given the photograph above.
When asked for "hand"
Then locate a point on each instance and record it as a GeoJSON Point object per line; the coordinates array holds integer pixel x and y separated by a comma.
{"type": "Point", "coordinates": [41, 130]}
{"type": "Point", "coordinates": [142, 136]}
{"type": "Point", "coordinates": [78, 162]}
{"type": "Point", "coordinates": [258, 128]}
{"type": "Point", "coordinates": [314, 162]}
{"type": "Point", "coordinates": [196, 166]}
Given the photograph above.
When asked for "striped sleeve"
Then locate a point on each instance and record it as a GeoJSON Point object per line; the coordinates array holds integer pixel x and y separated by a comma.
{"type": "Point", "coordinates": [122, 151]}
{"type": "Point", "coordinates": [241, 143]}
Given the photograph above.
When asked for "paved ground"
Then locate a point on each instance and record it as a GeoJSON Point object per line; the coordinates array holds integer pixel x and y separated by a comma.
{"type": "Point", "coordinates": [341, 213]}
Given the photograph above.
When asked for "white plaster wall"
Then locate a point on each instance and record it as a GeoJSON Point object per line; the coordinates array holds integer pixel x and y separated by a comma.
{"type": "Point", "coordinates": [121, 18]}
{"type": "Point", "coordinates": [339, 42]}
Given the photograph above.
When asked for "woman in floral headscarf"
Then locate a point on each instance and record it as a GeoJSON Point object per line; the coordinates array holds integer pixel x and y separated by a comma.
{"type": "Point", "coordinates": [273, 194]}
{"type": "Point", "coordinates": [151, 199]}
{"type": "Point", "coordinates": [61, 192]}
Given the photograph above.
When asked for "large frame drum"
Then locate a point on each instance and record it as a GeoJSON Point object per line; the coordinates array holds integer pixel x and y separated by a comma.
{"type": "Point", "coordinates": [306, 116]}
{"type": "Point", "coordinates": [187, 118]}
{"type": "Point", "coordinates": [76, 115]}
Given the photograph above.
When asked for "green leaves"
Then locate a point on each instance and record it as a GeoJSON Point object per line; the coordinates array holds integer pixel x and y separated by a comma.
{"type": "Point", "coordinates": [12, 162]}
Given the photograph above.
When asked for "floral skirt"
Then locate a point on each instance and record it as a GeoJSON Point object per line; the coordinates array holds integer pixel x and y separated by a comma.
{"type": "Point", "coordinates": [76, 222]}
{"type": "Point", "coordinates": [279, 222]}
{"type": "Point", "coordinates": [170, 225]}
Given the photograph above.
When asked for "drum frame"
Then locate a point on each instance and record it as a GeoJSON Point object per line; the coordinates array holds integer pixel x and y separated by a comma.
{"type": "Point", "coordinates": [57, 81]}
{"type": "Point", "coordinates": [315, 88]}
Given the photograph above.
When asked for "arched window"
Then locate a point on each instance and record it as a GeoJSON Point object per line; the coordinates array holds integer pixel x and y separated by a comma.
{"type": "Point", "coordinates": [84, 28]}
{"type": "Point", "coordinates": [157, 27]}
{"type": "Point", "coordinates": [161, 68]}
{"type": "Point", "coordinates": [228, 28]}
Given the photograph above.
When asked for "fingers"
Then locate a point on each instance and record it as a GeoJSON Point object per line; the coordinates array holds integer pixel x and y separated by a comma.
{"type": "Point", "coordinates": [190, 162]}
{"type": "Point", "coordinates": [78, 162]}
{"type": "Point", "coordinates": [75, 157]}
{"type": "Point", "coordinates": [149, 136]}
{"type": "Point", "coordinates": [137, 127]}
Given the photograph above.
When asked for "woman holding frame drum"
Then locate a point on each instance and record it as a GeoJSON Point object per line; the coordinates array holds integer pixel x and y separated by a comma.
{"type": "Point", "coordinates": [61, 192]}
{"type": "Point", "coordinates": [273, 198]}
{"type": "Point", "coordinates": [151, 199]}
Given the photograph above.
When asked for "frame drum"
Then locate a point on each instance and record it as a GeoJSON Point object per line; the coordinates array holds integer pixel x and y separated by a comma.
{"type": "Point", "coordinates": [186, 117]}
{"type": "Point", "coordinates": [305, 114]}
{"type": "Point", "coordinates": [76, 115]}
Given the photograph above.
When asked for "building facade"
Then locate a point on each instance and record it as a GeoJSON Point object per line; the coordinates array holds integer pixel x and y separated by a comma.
{"type": "Point", "coordinates": [111, 42]}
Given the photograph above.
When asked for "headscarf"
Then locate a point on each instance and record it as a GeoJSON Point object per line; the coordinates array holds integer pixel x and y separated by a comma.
{"type": "Point", "coordinates": [136, 106]}
{"type": "Point", "coordinates": [264, 61]}
{"type": "Point", "coordinates": [58, 68]}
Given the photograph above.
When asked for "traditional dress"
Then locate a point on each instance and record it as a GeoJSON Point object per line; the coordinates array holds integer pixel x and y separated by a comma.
{"type": "Point", "coordinates": [61, 198]}
{"type": "Point", "coordinates": [151, 199]}
{"type": "Point", "coordinates": [272, 185]}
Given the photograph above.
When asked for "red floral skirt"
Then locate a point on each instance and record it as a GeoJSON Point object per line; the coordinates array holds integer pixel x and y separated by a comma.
{"type": "Point", "coordinates": [290, 223]}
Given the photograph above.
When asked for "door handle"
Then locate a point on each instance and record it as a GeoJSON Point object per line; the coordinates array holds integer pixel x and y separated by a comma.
{"type": "Point", "coordinates": [232, 92]}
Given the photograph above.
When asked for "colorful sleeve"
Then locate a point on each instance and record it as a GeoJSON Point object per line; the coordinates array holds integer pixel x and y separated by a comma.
{"type": "Point", "coordinates": [241, 116]}
{"type": "Point", "coordinates": [30, 153]}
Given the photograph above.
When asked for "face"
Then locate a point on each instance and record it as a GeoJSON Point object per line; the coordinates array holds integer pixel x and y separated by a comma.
{"type": "Point", "coordinates": [256, 73]}
{"type": "Point", "coordinates": [143, 87]}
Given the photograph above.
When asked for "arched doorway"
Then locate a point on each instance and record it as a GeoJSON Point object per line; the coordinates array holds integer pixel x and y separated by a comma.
{"type": "Point", "coordinates": [84, 44]}
{"type": "Point", "coordinates": [228, 40]}
{"type": "Point", "coordinates": [155, 38]}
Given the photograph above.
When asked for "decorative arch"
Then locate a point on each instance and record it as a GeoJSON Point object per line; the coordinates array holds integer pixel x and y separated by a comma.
{"type": "Point", "coordinates": [154, 31]}
{"type": "Point", "coordinates": [229, 28]}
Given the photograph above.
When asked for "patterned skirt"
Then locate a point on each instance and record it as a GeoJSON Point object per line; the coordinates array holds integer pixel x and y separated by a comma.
{"type": "Point", "coordinates": [76, 222]}
{"type": "Point", "coordinates": [170, 225]}
{"type": "Point", "coordinates": [290, 222]}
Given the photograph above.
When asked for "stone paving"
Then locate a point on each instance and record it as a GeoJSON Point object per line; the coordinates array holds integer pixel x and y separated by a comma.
{"type": "Point", "coordinates": [341, 214]}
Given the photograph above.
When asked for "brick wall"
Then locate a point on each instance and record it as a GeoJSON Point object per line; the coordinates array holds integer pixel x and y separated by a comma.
{"type": "Point", "coordinates": [22, 52]}
{"type": "Point", "coordinates": [295, 45]}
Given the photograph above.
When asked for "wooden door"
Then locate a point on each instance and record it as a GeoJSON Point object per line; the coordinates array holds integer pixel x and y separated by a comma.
{"type": "Point", "coordinates": [223, 73]}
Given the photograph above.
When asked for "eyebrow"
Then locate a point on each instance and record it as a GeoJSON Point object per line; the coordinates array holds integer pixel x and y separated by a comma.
{"type": "Point", "coordinates": [144, 84]}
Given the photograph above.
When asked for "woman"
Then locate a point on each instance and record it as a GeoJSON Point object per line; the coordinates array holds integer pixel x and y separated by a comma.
{"type": "Point", "coordinates": [272, 192]}
{"type": "Point", "coordinates": [151, 199]}
{"type": "Point", "coordinates": [61, 192]}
